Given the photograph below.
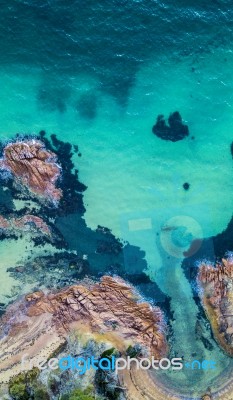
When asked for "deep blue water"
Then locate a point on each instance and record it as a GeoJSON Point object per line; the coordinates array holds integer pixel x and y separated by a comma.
{"type": "Point", "coordinates": [109, 39]}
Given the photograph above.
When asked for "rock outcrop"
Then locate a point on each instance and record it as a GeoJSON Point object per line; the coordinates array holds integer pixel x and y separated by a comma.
{"type": "Point", "coordinates": [40, 322]}
{"type": "Point", "coordinates": [26, 224]}
{"type": "Point", "coordinates": [216, 291]}
{"type": "Point", "coordinates": [33, 168]}
{"type": "Point", "coordinates": [110, 304]}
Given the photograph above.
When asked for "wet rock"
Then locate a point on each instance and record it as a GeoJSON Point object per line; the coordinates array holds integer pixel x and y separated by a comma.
{"type": "Point", "coordinates": [33, 167]}
{"type": "Point", "coordinates": [109, 247]}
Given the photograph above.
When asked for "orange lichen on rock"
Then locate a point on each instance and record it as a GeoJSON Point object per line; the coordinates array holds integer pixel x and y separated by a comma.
{"type": "Point", "coordinates": [34, 167]}
{"type": "Point", "coordinates": [216, 292]}
{"type": "Point", "coordinates": [106, 304]}
{"type": "Point", "coordinates": [32, 222]}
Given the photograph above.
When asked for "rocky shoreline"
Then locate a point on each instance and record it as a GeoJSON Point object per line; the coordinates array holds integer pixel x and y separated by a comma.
{"type": "Point", "coordinates": [74, 268]}
{"type": "Point", "coordinates": [66, 251]}
{"type": "Point", "coordinates": [216, 292]}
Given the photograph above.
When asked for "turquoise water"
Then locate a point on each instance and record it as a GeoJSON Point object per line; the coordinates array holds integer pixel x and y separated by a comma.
{"type": "Point", "coordinates": [118, 147]}
{"type": "Point", "coordinates": [98, 75]}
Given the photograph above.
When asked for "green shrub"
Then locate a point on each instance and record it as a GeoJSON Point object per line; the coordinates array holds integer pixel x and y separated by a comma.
{"type": "Point", "coordinates": [32, 375]}
{"type": "Point", "coordinates": [18, 387]}
{"type": "Point", "coordinates": [133, 351]}
{"type": "Point", "coordinates": [41, 394]}
{"type": "Point", "coordinates": [108, 353]}
{"type": "Point", "coordinates": [25, 386]}
{"type": "Point", "coordinates": [79, 394]}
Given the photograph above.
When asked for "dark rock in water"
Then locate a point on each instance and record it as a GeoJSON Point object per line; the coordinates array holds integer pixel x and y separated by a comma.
{"type": "Point", "coordinates": [207, 344]}
{"type": "Point", "coordinates": [53, 97]}
{"type": "Point", "coordinates": [186, 186]}
{"type": "Point", "coordinates": [108, 247]}
{"type": "Point", "coordinates": [232, 149]}
{"type": "Point", "coordinates": [6, 200]}
{"type": "Point", "coordinates": [87, 106]}
{"type": "Point", "coordinates": [174, 131]}
{"type": "Point", "coordinates": [72, 188]}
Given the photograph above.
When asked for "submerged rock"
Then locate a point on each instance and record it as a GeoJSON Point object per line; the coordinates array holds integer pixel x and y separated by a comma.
{"type": "Point", "coordinates": [87, 106]}
{"type": "Point", "coordinates": [28, 223]}
{"type": "Point", "coordinates": [174, 131]}
{"type": "Point", "coordinates": [186, 186]}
